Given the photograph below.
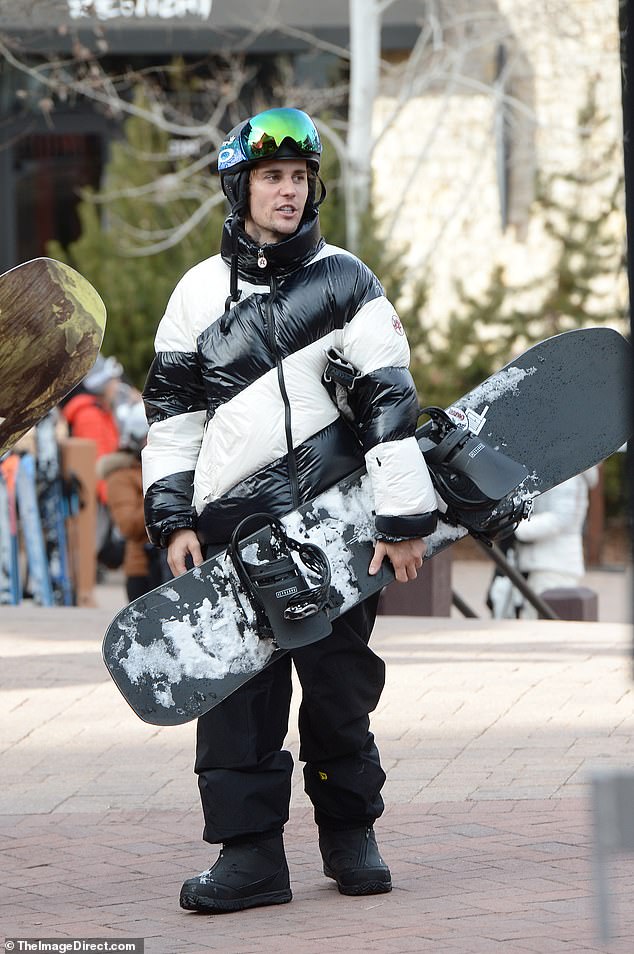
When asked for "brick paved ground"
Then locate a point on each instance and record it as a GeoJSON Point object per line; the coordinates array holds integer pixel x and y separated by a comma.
{"type": "Point", "coordinates": [487, 730]}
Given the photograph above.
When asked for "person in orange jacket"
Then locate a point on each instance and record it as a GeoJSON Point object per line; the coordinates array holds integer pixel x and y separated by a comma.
{"type": "Point", "coordinates": [121, 471]}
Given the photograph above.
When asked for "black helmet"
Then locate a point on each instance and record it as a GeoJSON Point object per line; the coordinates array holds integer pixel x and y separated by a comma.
{"type": "Point", "coordinates": [275, 133]}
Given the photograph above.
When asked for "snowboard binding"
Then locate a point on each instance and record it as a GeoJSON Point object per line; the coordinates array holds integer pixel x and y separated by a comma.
{"type": "Point", "coordinates": [479, 484]}
{"type": "Point", "coordinates": [286, 608]}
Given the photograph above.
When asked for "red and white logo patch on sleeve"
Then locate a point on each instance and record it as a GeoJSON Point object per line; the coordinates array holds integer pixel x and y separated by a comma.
{"type": "Point", "coordinates": [396, 324]}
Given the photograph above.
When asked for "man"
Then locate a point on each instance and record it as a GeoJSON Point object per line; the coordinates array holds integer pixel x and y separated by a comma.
{"type": "Point", "coordinates": [241, 423]}
{"type": "Point", "coordinates": [90, 412]}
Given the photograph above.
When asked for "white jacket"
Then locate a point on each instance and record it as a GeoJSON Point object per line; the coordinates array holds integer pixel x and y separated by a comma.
{"type": "Point", "coordinates": [552, 539]}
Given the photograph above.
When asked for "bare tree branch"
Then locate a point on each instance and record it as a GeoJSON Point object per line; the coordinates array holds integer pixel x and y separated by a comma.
{"type": "Point", "coordinates": [171, 180]}
{"type": "Point", "coordinates": [179, 232]}
{"type": "Point", "coordinates": [115, 103]}
{"type": "Point", "coordinates": [426, 146]}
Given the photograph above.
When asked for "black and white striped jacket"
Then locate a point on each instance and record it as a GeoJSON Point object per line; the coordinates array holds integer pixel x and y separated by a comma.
{"type": "Point", "coordinates": [240, 421]}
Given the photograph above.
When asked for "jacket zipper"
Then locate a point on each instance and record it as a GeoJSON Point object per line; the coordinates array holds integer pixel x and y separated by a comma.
{"type": "Point", "coordinates": [269, 320]}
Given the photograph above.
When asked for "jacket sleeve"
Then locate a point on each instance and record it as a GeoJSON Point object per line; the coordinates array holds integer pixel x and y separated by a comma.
{"type": "Point", "coordinates": [176, 412]}
{"type": "Point", "coordinates": [385, 406]}
{"type": "Point", "coordinates": [560, 510]}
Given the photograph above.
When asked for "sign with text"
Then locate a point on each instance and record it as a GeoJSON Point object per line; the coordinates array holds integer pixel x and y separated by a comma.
{"type": "Point", "coordinates": [139, 9]}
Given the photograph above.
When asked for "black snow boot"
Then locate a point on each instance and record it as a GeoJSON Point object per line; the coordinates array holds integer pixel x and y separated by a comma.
{"type": "Point", "coordinates": [247, 874]}
{"type": "Point", "coordinates": [353, 860]}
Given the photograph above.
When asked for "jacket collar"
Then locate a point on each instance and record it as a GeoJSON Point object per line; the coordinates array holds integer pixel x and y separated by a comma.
{"type": "Point", "coordinates": [281, 259]}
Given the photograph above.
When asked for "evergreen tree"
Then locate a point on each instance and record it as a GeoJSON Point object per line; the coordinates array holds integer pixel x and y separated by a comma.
{"type": "Point", "coordinates": [136, 287]}
{"type": "Point", "coordinates": [579, 212]}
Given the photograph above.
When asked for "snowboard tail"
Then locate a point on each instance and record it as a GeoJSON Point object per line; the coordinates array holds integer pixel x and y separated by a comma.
{"type": "Point", "coordinates": [52, 323]}
{"type": "Point", "coordinates": [556, 410]}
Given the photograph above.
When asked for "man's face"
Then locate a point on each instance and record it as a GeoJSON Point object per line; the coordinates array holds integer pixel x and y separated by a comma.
{"type": "Point", "coordinates": [278, 189]}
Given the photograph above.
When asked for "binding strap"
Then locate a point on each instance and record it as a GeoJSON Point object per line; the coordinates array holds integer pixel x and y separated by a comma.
{"type": "Point", "coordinates": [275, 587]}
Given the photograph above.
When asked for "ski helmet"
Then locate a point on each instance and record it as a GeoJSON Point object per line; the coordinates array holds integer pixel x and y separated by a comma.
{"type": "Point", "coordinates": [273, 134]}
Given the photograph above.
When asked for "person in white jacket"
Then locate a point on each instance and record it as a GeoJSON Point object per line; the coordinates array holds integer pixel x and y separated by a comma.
{"type": "Point", "coordinates": [240, 424]}
{"type": "Point", "coordinates": [549, 548]}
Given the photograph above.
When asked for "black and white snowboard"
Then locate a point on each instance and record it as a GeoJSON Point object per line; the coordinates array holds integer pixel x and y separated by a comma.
{"type": "Point", "coordinates": [176, 652]}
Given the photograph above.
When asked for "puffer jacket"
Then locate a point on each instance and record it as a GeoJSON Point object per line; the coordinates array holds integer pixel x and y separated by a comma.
{"type": "Point", "coordinates": [89, 417]}
{"type": "Point", "coordinates": [122, 473]}
{"type": "Point", "coordinates": [240, 421]}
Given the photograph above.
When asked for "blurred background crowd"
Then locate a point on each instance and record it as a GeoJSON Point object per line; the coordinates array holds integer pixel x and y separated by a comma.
{"type": "Point", "coordinates": [105, 414]}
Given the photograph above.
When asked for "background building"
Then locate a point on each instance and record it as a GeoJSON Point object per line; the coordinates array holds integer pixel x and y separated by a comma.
{"type": "Point", "coordinates": [475, 99]}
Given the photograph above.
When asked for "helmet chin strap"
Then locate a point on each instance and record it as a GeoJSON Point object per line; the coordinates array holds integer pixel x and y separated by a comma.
{"type": "Point", "coordinates": [234, 292]}
{"type": "Point", "coordinates": [316, 202]}
{"type": "Point", "coordinates": [235, 187]}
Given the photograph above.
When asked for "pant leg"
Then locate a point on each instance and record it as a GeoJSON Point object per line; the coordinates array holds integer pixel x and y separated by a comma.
{"type": "Point", "coordinates": [342, 680]}
{"type": "Point", "coordinates": [244, 778]}
{"type": "Point", "coordinates": [136, 586]}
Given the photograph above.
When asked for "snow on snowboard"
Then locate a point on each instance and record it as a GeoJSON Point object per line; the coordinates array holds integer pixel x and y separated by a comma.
{"type": "Point", "coordinates": [553, 412]}
{"type": "Point", "coordinates": [52, 323]}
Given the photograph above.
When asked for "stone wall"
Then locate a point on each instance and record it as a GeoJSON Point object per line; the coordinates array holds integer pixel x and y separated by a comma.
{"type": "Point", "coordinates": [436, 183]}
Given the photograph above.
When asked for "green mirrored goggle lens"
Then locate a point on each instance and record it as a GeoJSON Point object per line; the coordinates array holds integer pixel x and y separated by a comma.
{"type": "Point", "coordinates": [266, 132]}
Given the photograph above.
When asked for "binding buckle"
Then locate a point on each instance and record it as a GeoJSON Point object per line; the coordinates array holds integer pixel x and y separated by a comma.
{"type": "Point", "coordinates": [286, 608]}
{"type": "Point", "coordinates": [480, 484]}
{"type": "Point", "coordinates": [340, 371]}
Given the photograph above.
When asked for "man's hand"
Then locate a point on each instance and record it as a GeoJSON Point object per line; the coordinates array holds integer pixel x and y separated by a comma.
{"type": "Point", "coordinates": [182, 543]}
{"type": "Point", "coordinates": [406, 557]}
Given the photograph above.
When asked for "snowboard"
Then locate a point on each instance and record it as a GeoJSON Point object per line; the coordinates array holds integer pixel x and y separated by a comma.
{"type": "Point", "coordinates": [53, 508]}
{"type": "Point", "coordinates": [558, 409]}
{"type": "Point", "coordinates": [30, 523]}
{"type": "Point", "coordinates": [52, 323]}
{"type": "Point", "coordinates": [10, 581]}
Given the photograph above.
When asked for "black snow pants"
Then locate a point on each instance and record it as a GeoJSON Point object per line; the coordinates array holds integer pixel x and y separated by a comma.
{"type": "Point", "coordinates": [244, 776]}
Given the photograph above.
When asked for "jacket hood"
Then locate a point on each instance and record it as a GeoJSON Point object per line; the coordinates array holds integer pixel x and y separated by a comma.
{"type": "Point", "coordinates": [78, 403]}
{"type": "Point", "coordinates": [282, 258]}
{"type": "Point", "coordinates": [107, 464]}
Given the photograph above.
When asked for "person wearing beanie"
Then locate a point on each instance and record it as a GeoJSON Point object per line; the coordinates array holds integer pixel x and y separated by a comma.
{"type": "Point", "coordinates": [121, 471]}
{"type": "Point", "coordinates": [89, 411]}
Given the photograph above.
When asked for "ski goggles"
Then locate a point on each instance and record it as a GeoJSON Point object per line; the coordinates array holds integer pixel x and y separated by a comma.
{"type": "Point", "coordinates": [263, 135]}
